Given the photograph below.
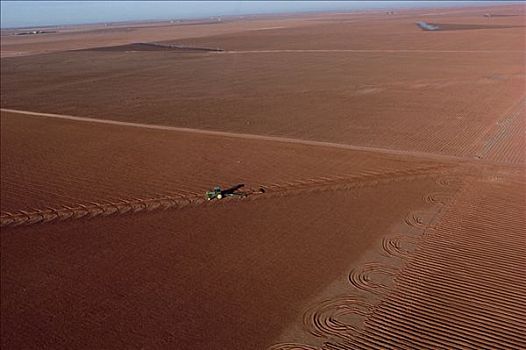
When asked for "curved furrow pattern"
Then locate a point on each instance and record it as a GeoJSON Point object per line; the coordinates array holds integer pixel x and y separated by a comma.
{"type": "Point", "coordinates": [449, 181]}
{"type": "Point", "coordinates": [400, 246]}
{"type": "Point", "coordinates": [363, 277]}
{"type": "Point", "coordinates": [464, 287]}
{"type": "Point", "coordinates": [330, 318]}
{"type": "Point", "coordinates": [438, 197]}
{"type": "Point", "coordinates": [461, 285]}
{"type": "Point", "coordinates": [418, 219]}
{"type": "Point", "coordinates": [292, 346]}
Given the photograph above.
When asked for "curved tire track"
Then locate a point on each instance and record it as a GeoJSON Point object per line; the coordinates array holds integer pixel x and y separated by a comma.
{"type": "Point", "coordinates": [362, 277]}
{"type": "Point", "coordinates": [328, 318]}
{"type": "Point", "coordinates": [397, 245]}
{"type": "Point", "coordinates": [292, 346]}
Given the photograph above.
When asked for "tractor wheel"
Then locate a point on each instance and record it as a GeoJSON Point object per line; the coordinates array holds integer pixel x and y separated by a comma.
{"type": "Point", "coordinates": [219, 196]}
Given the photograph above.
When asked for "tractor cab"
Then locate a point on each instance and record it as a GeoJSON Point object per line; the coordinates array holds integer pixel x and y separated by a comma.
{"type": "Point", "coordinates": [216, 193]}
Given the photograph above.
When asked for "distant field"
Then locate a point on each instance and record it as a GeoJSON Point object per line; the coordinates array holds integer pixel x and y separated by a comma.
{"type": "Point", "coordinates": [442, 98]}
{"type": "Point", "coordinates": [468, 30]}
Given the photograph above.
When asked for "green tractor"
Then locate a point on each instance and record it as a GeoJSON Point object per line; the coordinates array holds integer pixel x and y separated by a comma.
{"type": "Point", "coordinates": [216, 193]}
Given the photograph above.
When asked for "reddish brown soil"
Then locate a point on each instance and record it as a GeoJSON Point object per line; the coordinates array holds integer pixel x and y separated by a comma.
{"type": "Point", "coordinates": [393, 161]}
{"type": "Point", "coordinates": [440, 98]}
{"type": "Point", "coordinates": [228, 276]}
{"type": "Point", "coordinates": [461, 282]}
{"type": "Point", "coordinates": [467, 282]}
{"type": "Point", "coordinates": [384, 32]}
{"type": "Point", "coordinates": [71, 163]}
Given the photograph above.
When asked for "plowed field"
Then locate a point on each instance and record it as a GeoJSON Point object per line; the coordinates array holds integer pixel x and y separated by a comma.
{"type": "Point", "coordinates": [380, 79]}
{"type": "Point", "coordinates": [227, 276]}
{"type": "Point", "coordinates": [384, 171]}
{"type": "Point", "coordinates": [69, 163]}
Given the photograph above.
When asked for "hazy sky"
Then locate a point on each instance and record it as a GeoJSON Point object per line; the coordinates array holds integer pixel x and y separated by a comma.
{"type": "Point", "coordinates": [36, 13]}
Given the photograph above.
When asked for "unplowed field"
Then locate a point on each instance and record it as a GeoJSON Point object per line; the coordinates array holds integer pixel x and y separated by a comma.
{"type": "Point", "coordinates": [392, 163]}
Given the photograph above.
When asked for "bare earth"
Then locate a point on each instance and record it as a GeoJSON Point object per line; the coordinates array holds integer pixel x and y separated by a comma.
{"type": "Point", "coordinates": [393, 162]}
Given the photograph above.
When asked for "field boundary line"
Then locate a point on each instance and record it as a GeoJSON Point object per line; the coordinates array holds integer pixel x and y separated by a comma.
{"type": "Point", "coordinates": [325, 144]}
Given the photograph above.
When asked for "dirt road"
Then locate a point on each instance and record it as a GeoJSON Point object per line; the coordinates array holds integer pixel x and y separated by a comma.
{"type": "Point", "coordinates": [246, 136]}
